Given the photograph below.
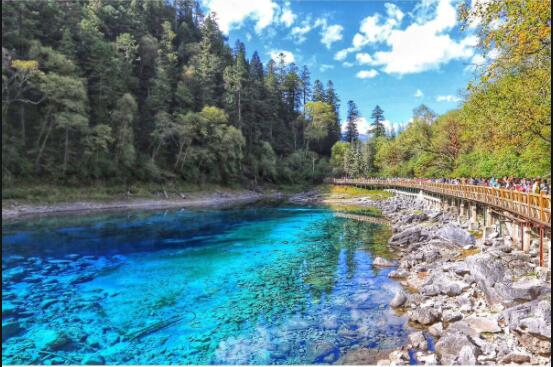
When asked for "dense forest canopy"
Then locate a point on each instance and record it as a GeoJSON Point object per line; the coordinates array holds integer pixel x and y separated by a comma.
{"type": "Point", "coordinates": [130, 90]}
{"type": "Point", "coordinates": [150, 90]}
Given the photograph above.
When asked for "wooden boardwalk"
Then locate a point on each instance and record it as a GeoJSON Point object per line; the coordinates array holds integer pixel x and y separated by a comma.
{"type": "Point", "coordinates": [533, 208]}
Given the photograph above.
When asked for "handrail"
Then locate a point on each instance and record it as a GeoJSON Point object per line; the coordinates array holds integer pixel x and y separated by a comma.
{"type": "Point", "coordinates": [533, 207]}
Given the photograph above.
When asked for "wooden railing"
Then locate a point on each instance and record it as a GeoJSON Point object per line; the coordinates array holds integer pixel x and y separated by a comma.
{"type": "Point", "coordinates": [535, 208]}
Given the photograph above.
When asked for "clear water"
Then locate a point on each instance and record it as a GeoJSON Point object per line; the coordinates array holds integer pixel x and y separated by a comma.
{"type": "Point", "coordinates": [256, 285]}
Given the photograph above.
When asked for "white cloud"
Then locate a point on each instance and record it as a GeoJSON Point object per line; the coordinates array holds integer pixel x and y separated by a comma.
{"type": "Point", "coordinates": [372, 30]}
{"type": "Point", "coordinates": [448, 98]}
{"type": "Point", "coordinates": [325, 67]}
{"type": "Point", "coordinates": [342, 54]}
{"type": "Point", "coordinates": [331, 34]}
{"type": "Point", "coordinates": [364, 58]}
{"type": "Point", "coordinates": [287, 16]}
{"type": "Point", "coordinates": [423, 45]}
{"type": "Point", "coordinates": [394, 12]}
{"type": "Point", "coordinates": [419, 93]}
{"type": "Point", "coordinates": [232, 13]}
{"type": "Point", "coordinates": [367, 74]}
{"type": "Point", "coordinates": [299, 32]}
{"type": "Point", "coordinates": [249, 36]}
{"type": "Point", "coordinates": [347, 64]}
{"type": "Point", "coordinates": [288, 56]}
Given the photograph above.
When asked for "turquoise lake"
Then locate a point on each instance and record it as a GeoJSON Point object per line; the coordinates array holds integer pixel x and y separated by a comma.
{"type": "Point", "coordinates": [264, 284]}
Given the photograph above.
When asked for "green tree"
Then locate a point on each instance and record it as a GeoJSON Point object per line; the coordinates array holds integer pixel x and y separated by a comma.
{"type": "Point", "coordinates": [352, 135]}
{"type": "Point", "coordinates": [378, 130]}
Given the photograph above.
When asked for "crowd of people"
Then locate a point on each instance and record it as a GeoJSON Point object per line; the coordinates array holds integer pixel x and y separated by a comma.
{"type": "Point", "coordinates": [533, 185]}
{"type": "Point", "coordinates": [536, 185]}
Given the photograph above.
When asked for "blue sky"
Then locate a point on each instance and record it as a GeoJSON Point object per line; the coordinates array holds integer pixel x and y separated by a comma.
{"type": "Point", "coordinates": [397, 54]}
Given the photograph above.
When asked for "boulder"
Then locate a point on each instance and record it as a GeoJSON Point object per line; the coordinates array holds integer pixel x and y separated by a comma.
{"type": "Point", "coordinates": [382, 262]}
{"type": "Point", "coordinates": [399, 300]}
{"type": "Point", "coordinates": [452, 289]}
{"type": "Point", "coordinates": [494, 272]}
{"type": "Point", "coordinates": [456, 235]}
{"type": "Point", "coordinates": [427, 359]}
{"type": "Point", "coordinates": [425, 315]}
{"type": "Point", "coordinates": [398, 357]}
{"type": "Point", "coordinates": [452, 316]}
{"type": "Point", "coordinates": [430, 290]}
{"type": "Point", "coordinates": [398, 274]}
{"type": "Point", "coordinates": [531, 324]}
{"type": "Point", "coordinates": [466, 356]}
{"type": "Point", "coordinates": [483, 324]}
{"type": "Point", "coordinates": [406, 237]}
{"type": "Point", "coordinates": [450, 346]}
{"type": "Point", "coordinates": [436, 329]}
{"type": "Point", "coordinates": [516, 356]}
{"type": "Point", "coordinates": [418, 341]}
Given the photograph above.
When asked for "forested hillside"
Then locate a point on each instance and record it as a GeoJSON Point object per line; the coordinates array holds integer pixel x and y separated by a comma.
{"type": "Point", "coordinates": [125, 91]}
{"type": "Point", "coordinates": [502, 127]}
{"type": "Point", "coordinates": [130, 90]}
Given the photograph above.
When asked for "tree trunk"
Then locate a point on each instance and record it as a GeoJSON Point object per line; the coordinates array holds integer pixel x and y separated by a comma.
{"type": "Point", "coordinates": [42, 146]}
{"type": "Point", "coordinates": [181, 145]}
{"type": "Point", "coordinates": [156, 150]}
{"type": "Point", "coordinates": [66, 150]}
{"type": "Point", "coordinates": [184, 158]}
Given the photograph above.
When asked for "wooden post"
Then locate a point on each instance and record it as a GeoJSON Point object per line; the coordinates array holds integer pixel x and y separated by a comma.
{"type": "Point", "coordinates": [542, 218]}
{"type": "Point", "coordinates": [541, 246]}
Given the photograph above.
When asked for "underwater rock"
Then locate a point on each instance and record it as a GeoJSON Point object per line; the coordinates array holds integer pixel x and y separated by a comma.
{"type": "Point", "coordinates": [362, 356]}
{"type": "Point", "coordinates": [317, 350]}
{"type": "Point", "coordinates": [93, 360]}
{"type": "Point", "coordinates": [9, 309]}
{"type": "Point", "coordinates": [51, 339]}
{"type": "Point", "coordinates": [47, 302]}
{"type": "Point", "coordinates": [82, 279]}
{"type": "Point", "coordinates": [10, 329]}
{"type": "Point", "coordinates": [15, 274]}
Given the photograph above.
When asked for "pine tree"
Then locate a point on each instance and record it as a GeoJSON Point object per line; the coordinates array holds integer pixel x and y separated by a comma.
{"type": "Point", "coordinates": [378, 129]}
{"type": "Point", "coordinates": [319, 94]}
{"type": "Point", "coordinates": [334, 134]}
{"type": "Point", "coordinates": [352, 135]}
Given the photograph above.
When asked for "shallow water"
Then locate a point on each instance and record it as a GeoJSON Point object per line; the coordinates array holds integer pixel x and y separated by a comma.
{"type": "Point", "coordinates": [258, 285]}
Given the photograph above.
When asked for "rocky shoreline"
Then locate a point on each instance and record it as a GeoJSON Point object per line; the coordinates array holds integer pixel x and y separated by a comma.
{"type": "Point", "coordinates": [474, 301]}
